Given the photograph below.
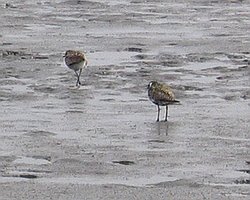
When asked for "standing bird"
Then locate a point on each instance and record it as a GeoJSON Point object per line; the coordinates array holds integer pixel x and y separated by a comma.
{"type": "Point", "coordinates": [161, 95]}
{"type": "Point", "coordinates": [76, 61]}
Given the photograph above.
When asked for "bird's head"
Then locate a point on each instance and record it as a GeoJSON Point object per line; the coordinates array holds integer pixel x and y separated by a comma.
{"type": "Point", "coordinates": [68, 53]}
{"type": "Point", "coordinates": [152, 84]}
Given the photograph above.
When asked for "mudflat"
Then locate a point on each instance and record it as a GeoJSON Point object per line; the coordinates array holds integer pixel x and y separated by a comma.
{"type": "Point", "coordinates": [101, 140]}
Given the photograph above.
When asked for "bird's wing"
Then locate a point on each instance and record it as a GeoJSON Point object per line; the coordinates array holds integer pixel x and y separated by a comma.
{"type": "Point", "coordinates": [164, 95]}
{"type": "Point", "coordinates": [76, 59]}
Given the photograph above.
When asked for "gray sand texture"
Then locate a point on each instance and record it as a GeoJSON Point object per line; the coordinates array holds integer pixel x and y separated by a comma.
{"type": "Point", "coordinates": [101, 140]}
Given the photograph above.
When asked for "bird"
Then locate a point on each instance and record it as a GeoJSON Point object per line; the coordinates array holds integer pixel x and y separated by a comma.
{"type": "Point", "coordinates": [161, 95]}
{"type": "Point", "coordinates": [76, 61]}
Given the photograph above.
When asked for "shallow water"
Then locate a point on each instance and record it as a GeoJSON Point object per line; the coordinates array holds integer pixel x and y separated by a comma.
{"type": "Point", "coordinates": [102, 137]}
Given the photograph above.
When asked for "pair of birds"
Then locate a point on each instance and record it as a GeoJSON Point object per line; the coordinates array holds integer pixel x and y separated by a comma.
{"type": "Point", "coordinates": [159, 93]}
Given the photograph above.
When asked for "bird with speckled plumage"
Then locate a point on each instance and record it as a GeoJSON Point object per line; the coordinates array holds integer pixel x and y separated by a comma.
{"type": "Point", "coordinates": [161, 95]}
{"type": "Point", "coordinates": [76, 61]}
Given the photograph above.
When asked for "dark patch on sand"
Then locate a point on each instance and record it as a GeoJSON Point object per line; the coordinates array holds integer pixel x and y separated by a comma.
{"type": "Point", "coordinates": [124, 162]}
{"type": "Point", "coordinates": [244, 181]}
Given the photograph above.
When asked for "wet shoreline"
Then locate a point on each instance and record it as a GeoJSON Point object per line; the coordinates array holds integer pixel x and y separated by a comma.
{"type": "Point", "coordinates": [101, 141]}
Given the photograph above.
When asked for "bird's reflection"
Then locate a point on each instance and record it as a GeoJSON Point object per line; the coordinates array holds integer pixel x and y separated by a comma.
{"type": "Point", "coordinates": [162, 128]}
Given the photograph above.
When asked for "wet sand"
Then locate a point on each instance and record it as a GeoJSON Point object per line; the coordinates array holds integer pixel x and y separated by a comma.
{"type": "Point", "coordinates": [101, 141]}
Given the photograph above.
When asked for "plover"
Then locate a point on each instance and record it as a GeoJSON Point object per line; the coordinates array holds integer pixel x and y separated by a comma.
{"type": "Point", "coordinates": [161, 95]}
{"type": "Point", "coordinates": [76, 61]}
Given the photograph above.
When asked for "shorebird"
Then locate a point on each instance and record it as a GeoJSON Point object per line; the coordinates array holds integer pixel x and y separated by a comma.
{"type": "Point", "coordinates": [161, 95]}
{"type": "Point", "coordinates": [76, 61]}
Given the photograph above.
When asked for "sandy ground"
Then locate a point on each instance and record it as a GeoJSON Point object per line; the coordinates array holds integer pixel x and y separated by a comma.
{"type": "Point", "coordinates": [101, 141]}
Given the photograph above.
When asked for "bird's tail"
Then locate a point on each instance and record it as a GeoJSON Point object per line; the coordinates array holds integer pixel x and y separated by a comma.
{"type": "Point", "coordinates": [176, 102]}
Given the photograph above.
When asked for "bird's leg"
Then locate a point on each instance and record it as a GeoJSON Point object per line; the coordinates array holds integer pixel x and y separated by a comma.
{"type": "Point", "coordinates": [79, 76]}
{"type": "Point", "coordinates": [166, 117]}
{"type": "Point", "coordinates": [158, 115]}
{"type": "Point", "coordinates": [77, 81]}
